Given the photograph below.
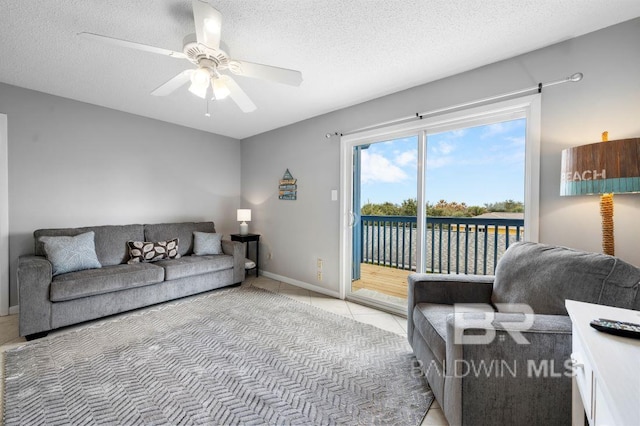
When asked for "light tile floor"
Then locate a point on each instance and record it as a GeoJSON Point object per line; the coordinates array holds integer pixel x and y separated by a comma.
{"type": "Point", "coordinates": [10, 338]}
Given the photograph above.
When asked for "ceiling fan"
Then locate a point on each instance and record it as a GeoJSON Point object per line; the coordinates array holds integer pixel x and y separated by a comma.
{"type": "Point", "coordinates": [203, 50]}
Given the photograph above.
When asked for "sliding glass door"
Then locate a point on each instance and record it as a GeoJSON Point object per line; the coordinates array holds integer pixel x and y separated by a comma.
{"type": "Point", "coordinates": [445, 195]}
{"type": "Point", "coordinates": [475, 183]}
{"type": "Point", "coordinates": [384, 210]}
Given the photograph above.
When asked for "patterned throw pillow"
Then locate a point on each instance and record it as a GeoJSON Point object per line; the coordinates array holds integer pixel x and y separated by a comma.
{"type": "Point", "coordinates": [69, 254]}
{"type": "Point", "coordinates": [206, 243]}
{"type": "Point", "coordinates": [146, 251]}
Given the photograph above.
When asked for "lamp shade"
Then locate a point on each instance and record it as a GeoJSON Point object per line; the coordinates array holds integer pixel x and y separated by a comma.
{"type": "Point", "coordinates": [244, 215]}
{"type": "Point", "coordinates": [601, 168]}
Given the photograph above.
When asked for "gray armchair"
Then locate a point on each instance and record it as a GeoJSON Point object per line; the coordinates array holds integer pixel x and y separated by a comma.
{"type": "Point", "coordinates": [468, 332]}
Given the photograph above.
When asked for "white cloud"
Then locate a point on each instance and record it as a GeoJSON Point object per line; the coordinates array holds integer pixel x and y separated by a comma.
{"type": "Point", "coordinates": [517, 141]}
{"type": "Point", "coordinates": [494, 129]}
{"type": "Point", "coordinates": [457, 133]}
{"type": "Point", "coordinates": [378, 168]}
{"type": "Point", "coordinates": [444, 148]}
{"type": "Point", "coordinates": [407, 158]}
{"type": "Point", "coordinates": [440, 154]}
{"type": "Point", "coordinates": [436, 162]}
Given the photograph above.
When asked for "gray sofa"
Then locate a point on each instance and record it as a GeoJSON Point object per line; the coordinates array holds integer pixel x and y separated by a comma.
{"type": "Point", "coordinates": [48, 302]}
{"type": "Point", "coordinates": [498, 381]}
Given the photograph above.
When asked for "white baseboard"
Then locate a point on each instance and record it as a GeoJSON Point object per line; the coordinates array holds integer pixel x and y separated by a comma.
{"type": "Point", "coordinates": [301, 284]}
{"type": "Point", "coordinates": [14, 310]}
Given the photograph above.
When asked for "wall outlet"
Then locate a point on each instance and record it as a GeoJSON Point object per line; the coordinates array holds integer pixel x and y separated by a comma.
{"type": "Point", "coordinates": [319, 276]}
{"type": "Point", "coordinates": [319, 264]}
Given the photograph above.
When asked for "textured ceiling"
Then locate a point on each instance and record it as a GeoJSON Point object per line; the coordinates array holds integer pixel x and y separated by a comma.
{"type": "Point", "coordinates": [348, 51]}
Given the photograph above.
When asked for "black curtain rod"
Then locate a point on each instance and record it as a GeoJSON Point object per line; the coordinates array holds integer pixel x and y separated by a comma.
{"type": "Point", "coordinates": [573, 78]}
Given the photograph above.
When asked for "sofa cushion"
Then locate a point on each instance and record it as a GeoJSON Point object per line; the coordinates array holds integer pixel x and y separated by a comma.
{"type": "Point", "coordinates": [194, 265]}
{"type": "Point", "coordinates": [68, 254]}
{"type": "Point", "coordinates": [430, 320]}
{"type": "Point", "coordinates": [148, 251]}
{"type": "Point", "coordinates": [105, 280]}
{"type": "Point", "coordinates": [544, 276]}
{"type": "Point", "coordinates": [183, 231]}
{"type": "Point", "coordinates": [110, 240]}
{"type": "Point", "coordinates": [207, 243]}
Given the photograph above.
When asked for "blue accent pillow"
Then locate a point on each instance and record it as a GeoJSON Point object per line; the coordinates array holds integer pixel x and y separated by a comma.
{"type": "Point", "coordinates": [68, 254]}
{"type": "Point", "coordinates": [206, 243]}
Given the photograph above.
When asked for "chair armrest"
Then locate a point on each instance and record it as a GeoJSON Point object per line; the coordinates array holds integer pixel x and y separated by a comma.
{"type": "Point", "coordinates": [34, 276]}
{"type": "Point", "coordinates": [235, 249]}
{"type": "Point", "coordinates": [446, 289]}
{"type": "Point", "coordinates": [449, 289]}
{"type": "Point", "coordinates": [504, 373]}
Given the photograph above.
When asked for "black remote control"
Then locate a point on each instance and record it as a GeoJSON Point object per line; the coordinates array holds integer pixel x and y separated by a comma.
{"type": "Point", "coordinates": [619, 328]}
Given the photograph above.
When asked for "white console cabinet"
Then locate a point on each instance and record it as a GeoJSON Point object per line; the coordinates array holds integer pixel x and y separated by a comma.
{"type": "Point", "coordinates": [606, 385]}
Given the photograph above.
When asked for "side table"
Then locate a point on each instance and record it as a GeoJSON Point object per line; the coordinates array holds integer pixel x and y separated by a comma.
{"type": "Point", "coordinates": [247, 239]}
{"type": "Point", "coordinates": [606, 383]}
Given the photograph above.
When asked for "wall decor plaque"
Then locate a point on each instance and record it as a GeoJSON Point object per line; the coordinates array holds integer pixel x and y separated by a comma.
{"type": "Point", "coordinates": [288, 188]}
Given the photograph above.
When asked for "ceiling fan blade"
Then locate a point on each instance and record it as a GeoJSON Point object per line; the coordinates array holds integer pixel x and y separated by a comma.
{"type": "Point", "coordinates": [266, 72]}
{"type": "Point", "coordinates": [208, 24]}
{"type": "Point", "coordinates": [132, 45]}
{"type": "Point", "coordinates": [173, 84]}
{"type": "Point", "coordinates": [238, 95]}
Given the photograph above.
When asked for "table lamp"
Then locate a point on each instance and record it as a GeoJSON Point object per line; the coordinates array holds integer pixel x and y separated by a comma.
{"type": "Point", "coordinates": [604, 168]}
{"type": "Point", "coordinates": [244, 216]}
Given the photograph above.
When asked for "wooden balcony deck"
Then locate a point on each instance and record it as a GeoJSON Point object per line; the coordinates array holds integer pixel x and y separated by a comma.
{"type": "Point", "coordinates": [382, 279]}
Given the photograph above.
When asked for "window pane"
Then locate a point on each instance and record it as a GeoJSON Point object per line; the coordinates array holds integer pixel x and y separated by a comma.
{"type": "Point", "coordinates": [476, 173]}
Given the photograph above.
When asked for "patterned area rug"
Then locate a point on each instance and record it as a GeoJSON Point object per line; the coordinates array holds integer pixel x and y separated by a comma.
{"type": "Point", "coordinates": [233, 356]}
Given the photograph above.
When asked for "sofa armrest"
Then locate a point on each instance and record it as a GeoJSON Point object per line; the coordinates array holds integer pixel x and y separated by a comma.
{"type": "Point", "coordinates": [235, 249]}
{"type": "Point", "coordinates": [496, 381]}
{"type": "Point", "coordinates": [34, 282]}
{"type": "Point", "coordinates": [446, 289]}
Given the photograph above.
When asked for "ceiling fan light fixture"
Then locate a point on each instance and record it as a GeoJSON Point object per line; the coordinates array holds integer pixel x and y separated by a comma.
{"type": "Point", "coordinates": [199, 91]}
{"type": "Point", "coordinates": [202, 49]}
{"type": "Point", "coordinates": [200, 82]}
{"type": "Point", "coordinates": [220, 89]}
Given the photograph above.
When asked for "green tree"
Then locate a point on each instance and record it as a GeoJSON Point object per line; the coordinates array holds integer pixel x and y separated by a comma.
{"type": "Point", "coordinates": [509, 206]}
{"type": "Point", "coordinates": [447, 209]}
{"type": "Point", "coordinates": [442, 208]}
{"type": "Point", "coordinates": [384, 209]}
{"type": "Point", "coordinates": [476, 210]}
{"type": "Point", "coordinates": [409, 207]}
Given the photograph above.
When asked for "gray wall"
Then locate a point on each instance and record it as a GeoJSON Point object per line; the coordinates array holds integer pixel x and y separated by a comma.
{"type": "Point", "coordinates": [73, 164]}
{"type": "Point", "coordinates": [295, 233]}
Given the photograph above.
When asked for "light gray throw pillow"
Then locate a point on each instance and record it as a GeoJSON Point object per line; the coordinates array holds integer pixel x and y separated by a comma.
{"type": "Point", "coordinates": [206, 243]}
{"type": "Point", "coordinates": [68, 254]}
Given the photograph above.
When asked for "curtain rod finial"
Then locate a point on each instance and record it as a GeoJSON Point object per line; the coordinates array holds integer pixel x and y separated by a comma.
{"type": "Point", "coordinates": [576, 77]}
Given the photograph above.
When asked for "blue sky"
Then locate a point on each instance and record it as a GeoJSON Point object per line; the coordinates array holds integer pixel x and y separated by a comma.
{"type": "Point", "coordinates": [476, 165]}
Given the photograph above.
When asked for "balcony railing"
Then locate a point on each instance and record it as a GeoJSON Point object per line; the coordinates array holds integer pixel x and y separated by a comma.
{"type": "Point", "coordinates": [453, 244]}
